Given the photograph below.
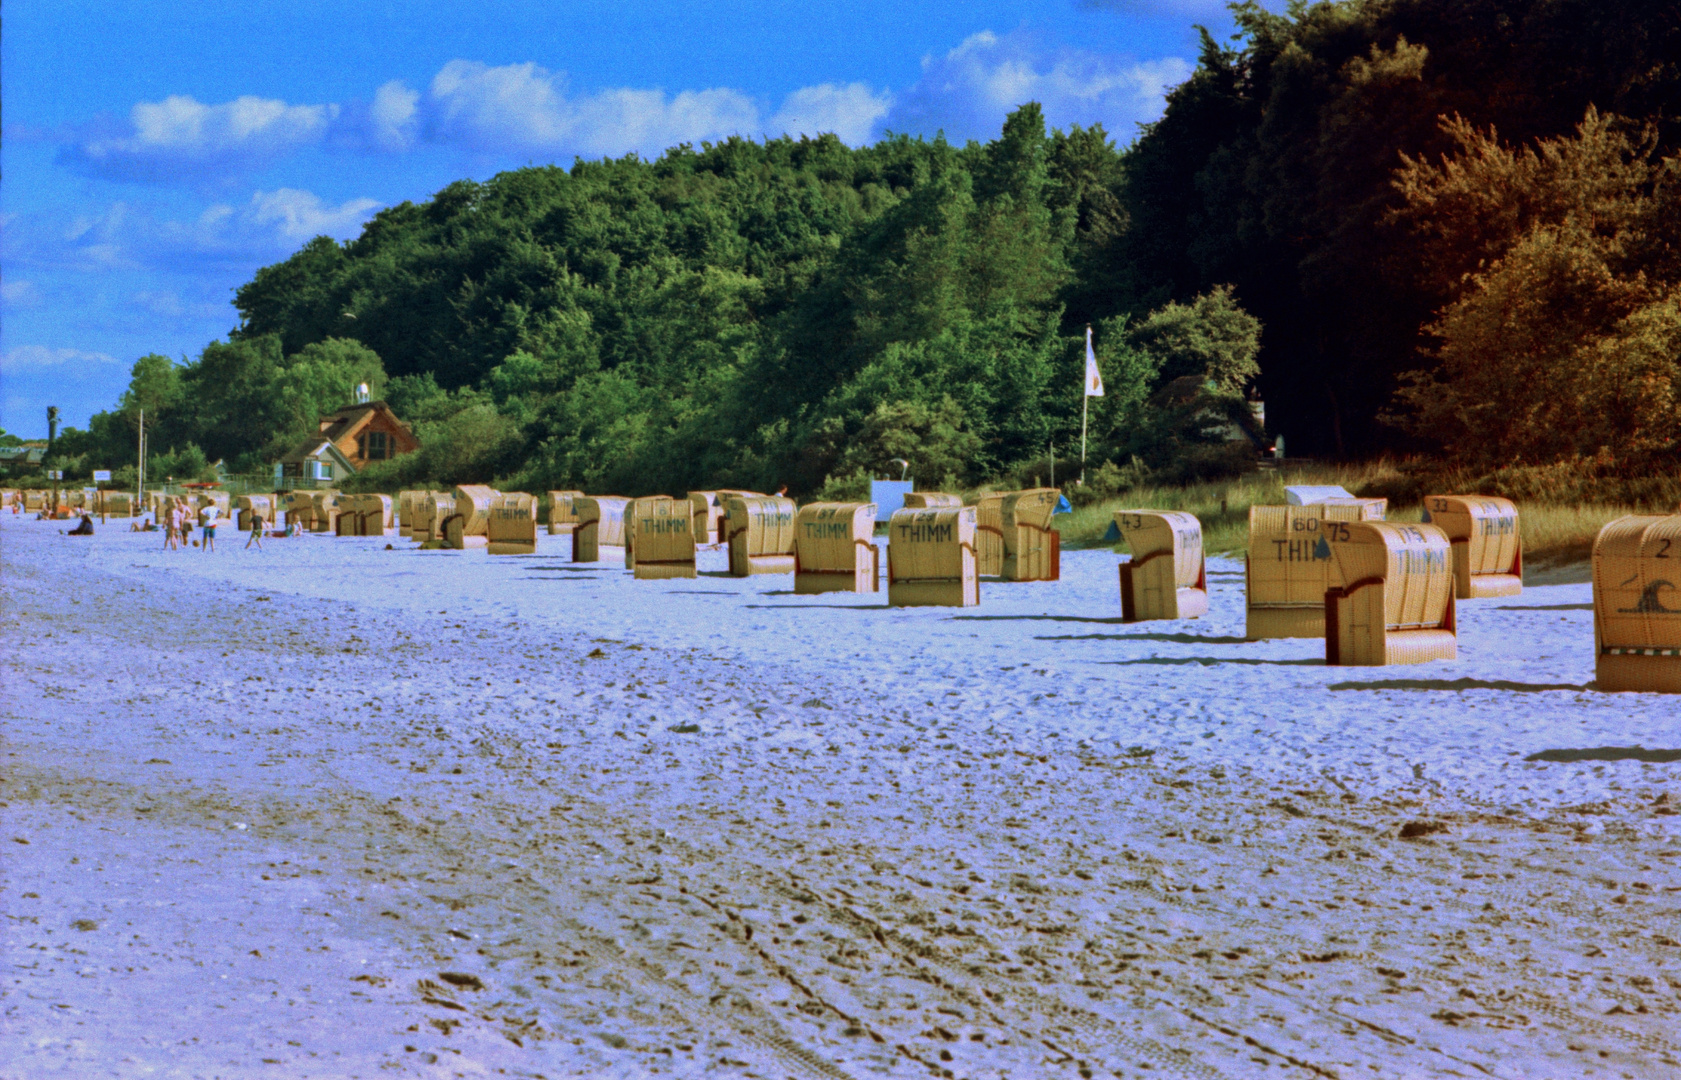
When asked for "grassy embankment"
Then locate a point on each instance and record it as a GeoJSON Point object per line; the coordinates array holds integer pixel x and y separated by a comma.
{"type": "Point", "coordinates": [1555, 531]}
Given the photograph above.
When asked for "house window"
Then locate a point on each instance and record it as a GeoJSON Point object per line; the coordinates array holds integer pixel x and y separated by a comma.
{"type": "Point", "coordinates": [375, 446]}
{"type": "Point", "coordinates": [324, 470]}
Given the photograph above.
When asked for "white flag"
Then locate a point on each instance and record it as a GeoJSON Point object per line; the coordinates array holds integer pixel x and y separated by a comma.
{"type": "Point", "coordinates": [1094, 378]}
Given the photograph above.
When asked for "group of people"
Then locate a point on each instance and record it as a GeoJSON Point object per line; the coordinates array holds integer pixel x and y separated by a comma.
{"type": "Point", "coordinates": [178, 517]}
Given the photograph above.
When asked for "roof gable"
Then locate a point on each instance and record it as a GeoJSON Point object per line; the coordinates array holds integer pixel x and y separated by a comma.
{"type": "Point", "coordinates": [350, 420]}
{"type": "Point", "coordinates": [318, 449]}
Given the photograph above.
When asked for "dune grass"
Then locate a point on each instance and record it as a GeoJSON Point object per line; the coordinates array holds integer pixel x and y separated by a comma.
{"type": "Point", "coordinates": [1553, 532]}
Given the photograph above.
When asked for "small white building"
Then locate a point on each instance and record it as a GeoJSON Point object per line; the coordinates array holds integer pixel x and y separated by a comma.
{"type": "Point", "coordinates": [317, 463]}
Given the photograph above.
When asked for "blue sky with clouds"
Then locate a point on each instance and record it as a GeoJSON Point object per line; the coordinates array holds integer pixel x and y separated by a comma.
{"type": "Point", "coordinates": [156, 154]}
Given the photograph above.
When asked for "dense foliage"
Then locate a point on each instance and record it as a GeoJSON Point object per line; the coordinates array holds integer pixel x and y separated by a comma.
{"type": "Point", "coordinates": [1348, 202]}
{"type": "Point", "coordinates": [1274, 169]}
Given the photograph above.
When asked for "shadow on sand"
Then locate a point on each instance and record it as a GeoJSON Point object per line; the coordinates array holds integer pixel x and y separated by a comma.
{"type": "Point", "coordinates": [1457, 684]}
{"type": "Point", "coordinates": [1608, 753]}
{"type": "Point", "coordinates": [1180, 639]}
{"type": "Point", "coordinates": [1116, 621]}
{"type": "Point", "coordinates": [1216, 661]}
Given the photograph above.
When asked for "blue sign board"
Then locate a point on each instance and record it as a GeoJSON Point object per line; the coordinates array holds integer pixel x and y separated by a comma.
{"type": "Point", "coordinates": [889, 495]}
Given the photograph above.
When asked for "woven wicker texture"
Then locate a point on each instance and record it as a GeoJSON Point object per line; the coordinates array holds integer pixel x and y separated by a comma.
{"type": "Point", "coordinates": [1032, 549]}
{"type": "Point", "coordinates": [387, 516]}
{"type": "Point", "coordinates": [1395, 604]}
{"type": "Point", "coordinates": [430, 515]}
{"type": "Point", "coordinates": [1487, 549]}
{"type": "Point", "coordinates": [1167, 577]}
{"type": "Point", "coordinates": [221, 500]}
{"type": "Point", "coordinates": [348, 519]}
{"type": "Point", "coordinates": [472, 505]}
{"type": "Point", "coordinates": [1637, 604]}
{"type": "Point", "coordinates": [989, 534]}
{"type": "Point", "coordinates": [512, 529]}
{"type": "Point", "coordinates": [931, 500]}
{"type": "Point", "coordinates": [601, 528]}
{"type": "Point", "coordinates": [323, 511]}
{"type": "Point", "coordinates": [1289, 565]}
{"type": "Point", "coordinates": [761, 534]}
{"type": "Point", "coordinates": [247, 505]}
{"type": "Point", "coordinates": [468, 526]}
{"type": "Point", "coordinates": [365, 515]}
{"type": "Point", "coordinates": [931, 558]}
{"type": "Point", "coordinates": [408, 508]}
{"type": "Point", "coordinates": [563, 512]}
{"type": "Point", "coordinates": [119, 504]}
{"type": "Point", "coordinates": [834, 548]}
{"type": "Point", "coordinates": [707, 517]}
{"type": "Point", "coordinates": [660, 538]}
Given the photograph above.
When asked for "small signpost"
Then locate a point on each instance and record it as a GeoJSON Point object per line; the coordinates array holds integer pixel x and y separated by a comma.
{"type": "Point", "coordinates": [101, 476]}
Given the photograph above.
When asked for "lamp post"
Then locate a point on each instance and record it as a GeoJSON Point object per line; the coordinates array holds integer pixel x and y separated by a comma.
{"type": "Point", "coordinates": [52, 437]}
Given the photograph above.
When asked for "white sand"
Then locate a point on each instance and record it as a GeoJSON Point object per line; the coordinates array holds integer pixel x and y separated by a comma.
{"type": "Point", "coordinates": [1017, 840]}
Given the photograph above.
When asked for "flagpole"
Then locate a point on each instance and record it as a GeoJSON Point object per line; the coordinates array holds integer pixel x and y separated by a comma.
{"type": "Point", "coordinates": [1085, 408]}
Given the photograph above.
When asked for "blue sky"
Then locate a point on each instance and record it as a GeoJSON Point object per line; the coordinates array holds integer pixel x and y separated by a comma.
{"type": "Point", "coordinates": [155, 155]}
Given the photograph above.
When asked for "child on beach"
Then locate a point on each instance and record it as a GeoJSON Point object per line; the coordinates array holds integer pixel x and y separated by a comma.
{"type": "Point", "coordinates": [207, 521]}
{"type": "Point", "coordinates": [256, 530]}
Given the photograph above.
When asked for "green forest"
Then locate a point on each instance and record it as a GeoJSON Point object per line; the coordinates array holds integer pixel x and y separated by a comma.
{"type": "Point", "coordinates": [1436, 227]}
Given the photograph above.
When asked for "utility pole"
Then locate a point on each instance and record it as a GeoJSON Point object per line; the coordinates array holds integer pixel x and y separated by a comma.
{"type": "Point", "coordinates": [140, 470]}
{"type": "Point", "coordinates": [52, 437]}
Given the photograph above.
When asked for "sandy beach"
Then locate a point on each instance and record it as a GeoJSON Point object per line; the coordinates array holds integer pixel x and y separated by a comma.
{"type": "Point", "coordinates": [334, 810]}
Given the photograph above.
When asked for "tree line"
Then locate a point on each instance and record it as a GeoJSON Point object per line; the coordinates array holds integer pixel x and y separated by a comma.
{"type": "Point", "coordinates": [1408, 225]}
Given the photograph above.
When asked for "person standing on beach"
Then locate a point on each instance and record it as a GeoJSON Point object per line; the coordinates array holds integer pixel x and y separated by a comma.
{"type": "Point", "coordinates": [256, 530]}
{"type": "Point", "coordinates": [172, 528]}
{"type": "Point", "coordinates": [207, 519]}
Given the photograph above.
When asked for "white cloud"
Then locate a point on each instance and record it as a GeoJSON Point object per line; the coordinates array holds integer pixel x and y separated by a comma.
{"type": "Point", "coordinates": [25, 358]}
{"type": "Point", "coordinates": [180, 135]}
{"type": "Point", "coordinates": [271, 225]}
{"type": "Point", "coordinates": [512, 109]}
{"type": "Point", "coordinates": [20, 294]}
{"type": "Point", "coordinates": [294, 215]}
{"type": "Point", "coordinates": [393, 114]}
{"type": "Point", "coordinates": [169, 304]}
{"type": "Point", "coordinates": [850, 112]}
{"type": "Point", "coordinates": [523, 108]}
{"type": "Point", "coordinates": [968, 91]}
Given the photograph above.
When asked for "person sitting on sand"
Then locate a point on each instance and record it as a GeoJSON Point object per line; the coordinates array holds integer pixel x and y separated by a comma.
{"type": "Point", "coordinates": [256, 530]}
{"type": "Point", "coordinates": [85, 528]}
